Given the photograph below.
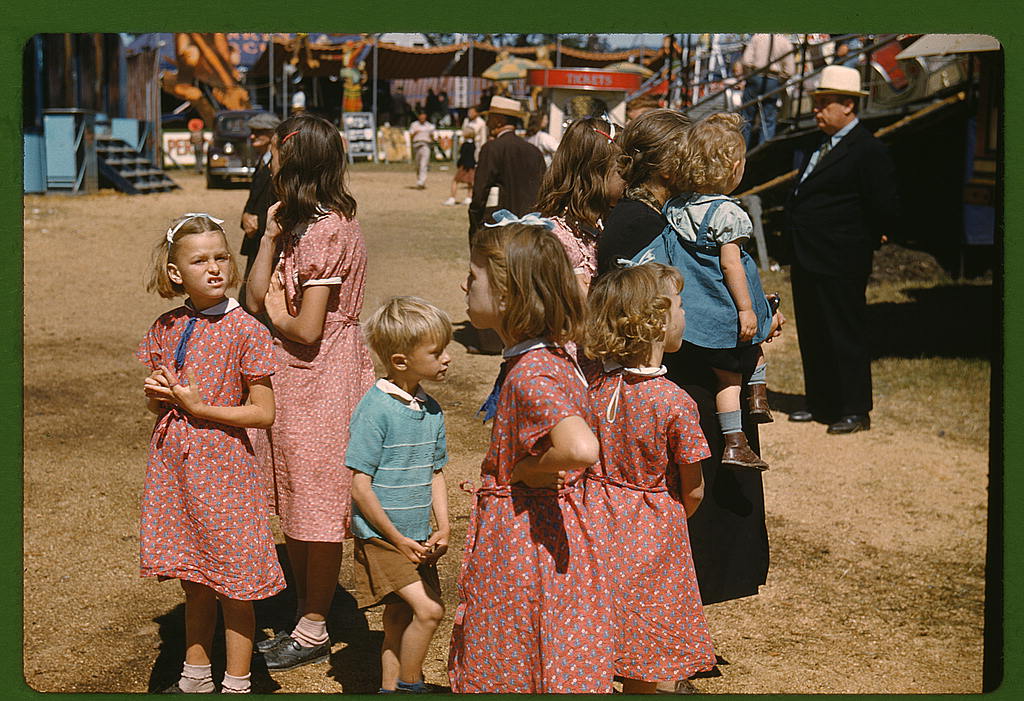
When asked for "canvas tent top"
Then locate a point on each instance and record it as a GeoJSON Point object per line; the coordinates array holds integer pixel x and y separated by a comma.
{"type": "Point", "coordinates": [395, 62]}
{"type": "Point", "coordinates": [943, 44]}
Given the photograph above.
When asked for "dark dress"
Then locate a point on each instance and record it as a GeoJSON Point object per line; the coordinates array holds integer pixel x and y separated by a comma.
{"type": "Point", "coordinates": [728, 536]}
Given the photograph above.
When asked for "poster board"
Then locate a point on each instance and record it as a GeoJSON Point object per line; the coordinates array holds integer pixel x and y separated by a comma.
{"type": "Point", "coordinates": [360, 135]}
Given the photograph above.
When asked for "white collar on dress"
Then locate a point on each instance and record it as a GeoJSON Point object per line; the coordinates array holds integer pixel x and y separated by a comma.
{"type": "Point", "coordinates": [643, 370]}
{"type": "Point", "coordinates": [612, 410]}
{"type": "Point", "coordinates": [219, 309]}
{"type": "Point", "coordinates": [527, 345]}
{"type": "Point", "coordinates": [541, 342]}
{"type": "Point", "coordinates": [388, 387]}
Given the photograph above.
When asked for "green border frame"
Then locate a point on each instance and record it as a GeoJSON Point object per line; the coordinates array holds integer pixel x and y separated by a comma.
{"type": "Point", "coordinates": [24, 18]}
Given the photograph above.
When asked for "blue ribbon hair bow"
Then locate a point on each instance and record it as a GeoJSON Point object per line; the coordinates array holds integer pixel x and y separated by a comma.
{"type": "Point", "coordinates": [503, 217]}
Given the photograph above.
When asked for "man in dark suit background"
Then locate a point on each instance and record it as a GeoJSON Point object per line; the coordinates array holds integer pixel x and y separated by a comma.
{"type": "Point", "coordinates": [507, 162]}
{"type": "Point", "coordinates": [836, 216]}
{"type": "Point", "coordinates": [508, 175]}
{"type": "Point", "coordinates": [261, 190]}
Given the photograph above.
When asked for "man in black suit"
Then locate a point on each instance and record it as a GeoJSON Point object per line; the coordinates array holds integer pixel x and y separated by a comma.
{"type": "Point", "coordinates": [508, 163]}
{"type": "Point", "coordinates": [261, 190]}
{"type": "Point", "coordinates": [836, 216]}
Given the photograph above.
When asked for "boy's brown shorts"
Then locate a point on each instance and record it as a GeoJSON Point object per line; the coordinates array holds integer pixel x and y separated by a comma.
{"type": "Point", "coordinates": [381, 570]}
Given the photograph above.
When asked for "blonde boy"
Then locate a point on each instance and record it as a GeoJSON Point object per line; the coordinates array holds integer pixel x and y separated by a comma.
{"type": "Point", "coordinates": [396, 451]}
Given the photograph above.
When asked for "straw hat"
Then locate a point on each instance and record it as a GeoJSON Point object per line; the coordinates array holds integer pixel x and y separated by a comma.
{"type": "Point", "coordinates": [508, 106]}
{"type": "Point", "coordinates": [840, 80]}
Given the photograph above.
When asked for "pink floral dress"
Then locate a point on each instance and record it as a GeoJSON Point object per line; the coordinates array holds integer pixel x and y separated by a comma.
{"type": "Point", "coordinates": [535, 609]}
{"type": "Point", "coordinates": [647, 426]}
{"type": "Point", "coordinates": [318, 386]}
{"type": "Point", "coordinates": [580, 246]}
{"type": "Point", "coordinates": [203, 506]}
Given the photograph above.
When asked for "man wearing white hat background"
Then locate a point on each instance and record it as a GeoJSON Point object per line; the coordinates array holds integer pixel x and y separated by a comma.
{"type": "Point", "coordinates": [836, 216]}
{"type": "Point", "coordinates": [508, 163]}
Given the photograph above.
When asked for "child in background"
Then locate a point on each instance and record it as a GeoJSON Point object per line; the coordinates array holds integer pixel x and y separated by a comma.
{"type": "Point", "coordinates": [396, 451]}
{"type": "Point", "coordinates": [313, 298]}
{"type": "Point", "coordinates": [535, 609]}
{"type": "Point", "coordinates": [579, 189]}
{"type": "Point", "coordinates": [203, 508]}
{"type": "Point", "coordinates": [649, 479]}
{"type": "Point", "coordinates": [729, 313]}
{"type": "Point", "coordinates": [465, 167]}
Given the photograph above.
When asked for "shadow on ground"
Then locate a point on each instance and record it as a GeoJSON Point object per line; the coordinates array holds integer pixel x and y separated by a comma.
{"type": "Point", "coordinates": [356, 666]}
{"type": "Point", "coordinates": [948, 321]}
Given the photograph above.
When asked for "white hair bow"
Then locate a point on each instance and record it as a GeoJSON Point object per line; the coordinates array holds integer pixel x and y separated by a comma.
{"type": "Point", "coordinates": [186, 217]}
{"type": "Point", "coordinates": [503, 217]}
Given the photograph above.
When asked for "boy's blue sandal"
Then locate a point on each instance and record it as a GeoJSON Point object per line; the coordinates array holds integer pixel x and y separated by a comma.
{"type": "Point", "coordinates": [419, 687]}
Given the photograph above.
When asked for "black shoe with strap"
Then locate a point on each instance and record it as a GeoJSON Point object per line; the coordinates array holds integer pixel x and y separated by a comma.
{"type": "Point", "coordinates": [290, 653]}
{"type": "Point", "coordinates": [264, 645]}
{"type": "Point", "coordinates": [801, 416]}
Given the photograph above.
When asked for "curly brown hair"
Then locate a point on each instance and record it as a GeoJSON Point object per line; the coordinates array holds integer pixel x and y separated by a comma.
{"type": "Point", "coordinates": [627, 311]}
{"type": "Point", "coordinates": [713, 147]}
{"type": "Point", "coordinates": [311, 172]}
{"type": "Point", "coordinates": [575, 186]}
{"type": "Point", "coordinates": [528, 270]}
{"type": "Point", "coordinates": [652, 145]}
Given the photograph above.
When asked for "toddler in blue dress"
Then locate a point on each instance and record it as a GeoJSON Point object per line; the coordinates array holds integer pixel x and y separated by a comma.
{"type": "Point", "coordinates": [728, 314]}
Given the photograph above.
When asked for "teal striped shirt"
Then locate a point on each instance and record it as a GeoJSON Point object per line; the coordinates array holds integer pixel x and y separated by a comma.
{"type": "Point", "coordinates": [400, 448]}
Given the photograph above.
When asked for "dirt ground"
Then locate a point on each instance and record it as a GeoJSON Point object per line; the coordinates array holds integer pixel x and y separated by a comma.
{"type": "Point", "coordinates": [878, 539]}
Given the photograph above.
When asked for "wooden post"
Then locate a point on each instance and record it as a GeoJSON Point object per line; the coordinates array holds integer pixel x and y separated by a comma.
{"type": "Point", "coordinates": [752, 203]}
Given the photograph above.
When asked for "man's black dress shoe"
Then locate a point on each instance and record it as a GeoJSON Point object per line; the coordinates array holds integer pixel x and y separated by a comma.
{"type": "Point", "coordinates": [851, 424]}
{"type": "Point", "coordinates": [801, 415]}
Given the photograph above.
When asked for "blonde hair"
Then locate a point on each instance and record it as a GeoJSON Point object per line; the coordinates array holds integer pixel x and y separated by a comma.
{"type": "Point", "coordinates": [403, 323]}
{"type": "Point", "coordinates": [529, 271]}
{"type": "Point", "coordinates": [652, 145]}
{"type": "Point", "coordinates": [163, 253]}
{"type": "Point", "coordinates": [627, 312]}
{"type": "Point", "coordinates": [715, 144]}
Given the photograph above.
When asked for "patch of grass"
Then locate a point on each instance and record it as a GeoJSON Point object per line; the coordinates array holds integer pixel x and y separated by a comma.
{"type": "Point", "coordinates": [932, 343]}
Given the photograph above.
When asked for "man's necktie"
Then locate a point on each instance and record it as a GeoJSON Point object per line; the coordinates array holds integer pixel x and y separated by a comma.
{"type": "Point", "coordinates": [823, 150]}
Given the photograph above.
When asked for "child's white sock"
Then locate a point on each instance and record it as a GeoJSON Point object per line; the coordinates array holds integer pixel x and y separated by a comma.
{"type": "Point", "coordinates": [310, 633]}
{"type": "Point", "coordinates": [235, 685]}
{"type": "Point", "coordinates": [196, 679]}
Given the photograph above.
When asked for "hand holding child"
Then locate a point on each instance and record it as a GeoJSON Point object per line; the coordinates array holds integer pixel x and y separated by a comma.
{"type": "Point", "coordinates": [778, 320]}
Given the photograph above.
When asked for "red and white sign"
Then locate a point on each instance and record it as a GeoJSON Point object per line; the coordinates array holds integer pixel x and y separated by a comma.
{"type": "Point", "coordinates": [584, 79]}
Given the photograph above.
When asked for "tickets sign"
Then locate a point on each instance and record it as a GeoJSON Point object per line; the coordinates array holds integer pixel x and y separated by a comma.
{"type": "Point", "coordinates": [583, 79]}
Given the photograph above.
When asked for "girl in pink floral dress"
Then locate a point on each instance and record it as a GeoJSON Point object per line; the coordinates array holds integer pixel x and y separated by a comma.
{"type": "Point", "coordinates": [649, 479]}
{"type": "Point", "coordinates": [203, 509]}
{"type": "Point", "coordinates": [313, 296]}
{"type": "Point", "coordinates": [579, 189]}
{"type": "Point", "coordinates": [535, 610]}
